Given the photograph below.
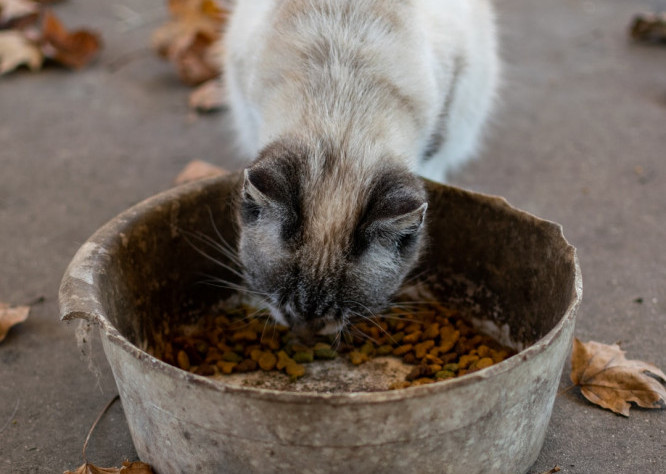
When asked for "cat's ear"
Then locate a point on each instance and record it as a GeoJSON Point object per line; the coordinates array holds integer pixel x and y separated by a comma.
{"type": "Point", "coordinates": [268, 191]}
{"type": "Point", "coordinates": [255, 187]}
{"type": "Point", "coordinates": [407, 223]}
{"type": "Point", "coordinates": [407, 219]}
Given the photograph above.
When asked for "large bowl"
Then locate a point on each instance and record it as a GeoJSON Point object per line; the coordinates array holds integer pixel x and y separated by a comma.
{"type": "Point", "coordinates": [516, 273]}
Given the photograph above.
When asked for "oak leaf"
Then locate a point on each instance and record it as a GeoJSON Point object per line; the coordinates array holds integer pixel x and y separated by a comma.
{"type": "Point", "coordinates": [608, 379]}
{"type": "Point", "coordinates": [190, 40]}
{"type": "Point", "coordinates": [11, 316]}
{"type": "Point", "coordinates": [136, 467]}
{"type": "Point", "coordinates": [73, 49]}
{"type": "Point", "coordinates": [17, 50]}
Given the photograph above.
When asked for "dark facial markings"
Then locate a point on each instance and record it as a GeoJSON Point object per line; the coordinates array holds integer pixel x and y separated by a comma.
{"type": "Point", "coordinates": [391, 214]}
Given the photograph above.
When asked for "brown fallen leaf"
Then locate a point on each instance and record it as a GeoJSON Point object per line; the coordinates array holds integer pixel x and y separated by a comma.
{"type": "Point", "coordinates": [552, 471]}
{"type": "Point", "coordinates": [17, 50]}
{"type": "Point", "coordinates": [136, 467]}
{"type": "Point", "coordinates": [190, 39]}
{"type": "Point", "coordinates": [608, 379]}
{"type": "Point", "coordinates": [11, 316]}
{"type": "Point", "coordinates": [13, 10]}
{"type": "Point", "coordinates": [72, 49]}
{"type": "Point", "coordinates": [208, 97]}
{"type": "Point", "coordinates": [649, 28]}
{"type": "Point", "coordinates": [196, 170]}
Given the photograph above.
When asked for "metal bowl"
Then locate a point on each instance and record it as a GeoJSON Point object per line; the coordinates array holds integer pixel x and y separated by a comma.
{"type": "Point", "coordinates": [139, 274]}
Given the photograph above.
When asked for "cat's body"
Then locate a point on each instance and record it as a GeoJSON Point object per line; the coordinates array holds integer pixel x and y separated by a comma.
{"type": "Point", "coordinates": [342, 101]}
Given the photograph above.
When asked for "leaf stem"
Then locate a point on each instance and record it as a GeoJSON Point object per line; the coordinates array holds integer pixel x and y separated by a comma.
{"type": "Point", "coordinates": [568, 389]}
{"type": "Point", "coordinates": [92, 428]}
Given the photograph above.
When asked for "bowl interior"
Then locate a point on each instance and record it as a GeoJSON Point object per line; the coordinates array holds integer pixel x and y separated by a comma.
{"type": "Point", "coordinates": [515, 274]}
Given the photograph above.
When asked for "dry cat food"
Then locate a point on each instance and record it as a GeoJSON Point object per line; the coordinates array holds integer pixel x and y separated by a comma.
{"type": "Point", "coordinates": [434, 339]}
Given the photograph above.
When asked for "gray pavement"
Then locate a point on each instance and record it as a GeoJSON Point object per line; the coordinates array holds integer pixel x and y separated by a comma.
{"type": "Point", "coordinates": [579, 138]}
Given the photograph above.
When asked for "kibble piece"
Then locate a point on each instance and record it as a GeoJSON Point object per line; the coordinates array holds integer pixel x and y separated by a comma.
{"type": "Point", "coordinates": [483, 350]}
{"type": "Point", "coordinates": [386, 349]}
{"type": "Point", "coordinates": [283, 360]}
{"type": "Point", "coordinates": [499, 356]}
{"type": "Point", "coordinates": [431, 331]}
{"type": "Point", "coordinates": [267, 361]}
{"type": "Point", "coordinates": [205, 370]}
{"type": "Point", "coordinates": [409, 358]}
{"type": "Point", "coordinates": [401, 350]}
{"type": "Point", "coordinates": [413, 337]}
{"type": "Point", "coordinates": [399, 385]}
{"type": "Point", "coordinates": [324, 351]}
{"type": "Point", "coordinates": [445, 374]}
{"type": "Point", "coordinates": [303, 357]}
{"type": "Point", "coordinates": [245, 335]}
{"type": "Point", "coordinates": [483, 363]}
{"type": "Point", "coordinates": [421, 349]}
{"type": "Point", "coordinates": [226, 367]}
{"type": "Point", "coordinates": [295, 370]}
{"type": "Point", "coordinates": [448, 338]}
{"type": "Point", "coordinates": [248, 365]}
{"type": "Point", "coordinates": [466, 360]}
{"type": "Point", "coordinates": [367, 348]}
{"type": "Point", "coordinates": [422, 381]}
{"type": "Point", "coordinates": [255, 354]}
{"type": "Point", "coordinates": [183, 360]}
{"type": "Point", "coordinates": [230, 356]}
{"type": "Point", "coordinates": [357, 357]}
{"type": "Point", "coordinates": [451, 367]}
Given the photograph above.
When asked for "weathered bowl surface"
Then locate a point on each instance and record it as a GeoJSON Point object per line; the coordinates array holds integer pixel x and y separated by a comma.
{"type": "Point", "coordinates": [139, 274]}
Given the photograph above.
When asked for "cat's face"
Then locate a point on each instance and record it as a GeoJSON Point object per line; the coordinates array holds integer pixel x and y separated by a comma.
{"type": "Point", "coordinates": [322, 242]}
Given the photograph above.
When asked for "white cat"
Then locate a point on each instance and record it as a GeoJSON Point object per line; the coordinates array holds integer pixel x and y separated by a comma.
{"type": "Point", "coordinates": [339, 103]}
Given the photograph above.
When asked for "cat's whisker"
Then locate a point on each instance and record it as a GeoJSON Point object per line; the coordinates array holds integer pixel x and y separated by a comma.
{"type": "Point", "coordinates": [217, 261]}
{"type": "Point", "coordinates": [232, 252]}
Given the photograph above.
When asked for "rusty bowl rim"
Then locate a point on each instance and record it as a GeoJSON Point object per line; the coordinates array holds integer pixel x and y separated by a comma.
{"type": "Point", "coordinates": [106, 236]}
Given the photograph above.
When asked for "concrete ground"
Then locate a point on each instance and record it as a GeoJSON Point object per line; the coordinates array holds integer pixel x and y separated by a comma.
{"type": "Point", "coordinates": [579, 138]}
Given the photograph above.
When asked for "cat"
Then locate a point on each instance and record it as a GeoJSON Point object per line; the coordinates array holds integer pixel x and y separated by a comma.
{"type": "Point", "coordinates": [340, 105]}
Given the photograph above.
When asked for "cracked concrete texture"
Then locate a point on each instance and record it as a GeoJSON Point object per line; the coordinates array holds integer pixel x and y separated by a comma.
{"type": "Point", "coordinates": [578, 138]}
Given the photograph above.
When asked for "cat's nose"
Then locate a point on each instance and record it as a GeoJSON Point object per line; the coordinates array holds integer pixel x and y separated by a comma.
{"type": "Point", "coordinates": [313, 306]}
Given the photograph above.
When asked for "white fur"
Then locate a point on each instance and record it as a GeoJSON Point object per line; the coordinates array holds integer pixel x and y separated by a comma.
{"type": "Point", "coordinates": [447, 48]}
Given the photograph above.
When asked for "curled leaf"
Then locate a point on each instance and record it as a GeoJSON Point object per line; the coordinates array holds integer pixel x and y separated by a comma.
{"type": "Point", "coordinates": [649, 28]}
{"type": "Point", "coordinates": [136, 467]}
{"type": "Point", "coordinates": [72, 49]}
{"type": "Point", "coordinates": [190, 40]}
{"type": "Point", "coordinates": [11, 316]}
{"type": "Point", "coordinates": [196, 170]}
{"type": "Point", "coordinates": [608, 379]}
{"type": "Point", "coordinates": [14, 10]}
{"type": "Point", "coordinates": [17, 50]}
{"type": "Point", "coordinates": [208, 97]}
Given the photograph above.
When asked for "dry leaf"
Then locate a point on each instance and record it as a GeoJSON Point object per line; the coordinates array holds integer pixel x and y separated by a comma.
{"type": "Point", "coordinates": [208, 97]}
{"type": "Point", "coordinates": [198, 169]}
{"type": "Point", "coordinates": [136, 467]}
{"type": "Point", "coordinates": [189, 19]}
{"type": "Point", "coordinates": [73, 49]}
{"type": "Point", "coordinates": [12, 10]}
{"type": "Point", "coordinates": [650, 28]}
{"type": "Point", "coordinates": [10, 317]}
{"type": "Point", "coordinates": [17, 50]}
{"type": "Point", "coordinates": [193, 65]}
{"type": "Point", "coordinates": [190, 39]}
{"type": "Point", "coordinates": [609, 380]}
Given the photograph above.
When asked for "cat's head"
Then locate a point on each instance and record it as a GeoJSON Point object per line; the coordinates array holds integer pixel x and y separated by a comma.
{"type": "Point", "coordinates": [323, 238]}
